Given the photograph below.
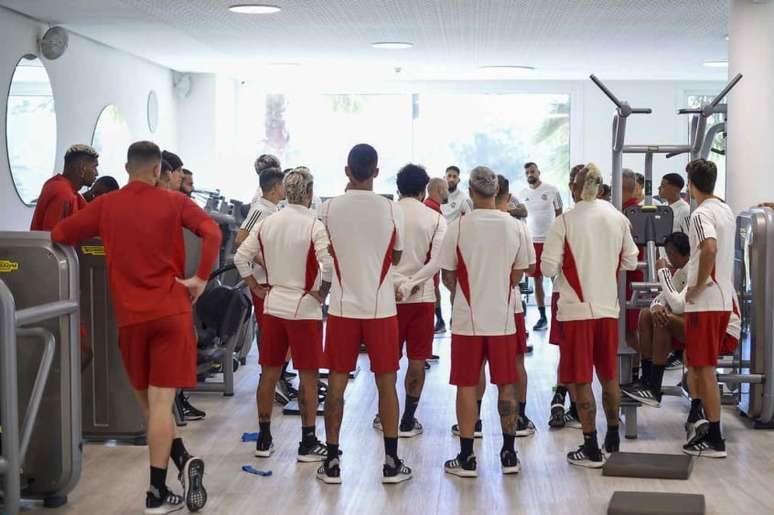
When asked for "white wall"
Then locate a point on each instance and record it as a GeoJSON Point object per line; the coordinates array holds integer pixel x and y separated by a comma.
{"type": "Point", "coordinates": [87, 78]}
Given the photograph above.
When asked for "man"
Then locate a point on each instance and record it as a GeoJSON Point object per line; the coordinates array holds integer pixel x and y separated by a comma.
{"type": "Point", "coordinates": [605, 193]}
{"type": "Point", "coordinates": [543, 205]}
{"type": "Point", "coordinates": [483, 257]}
{"type": "Point", "coordinates": [291, 244]}
{"type": "Point", "coordinates": [59, 197]}
{"type": "Point", "coordinates": [171, 179]}
{"type": "Point", "coordinates": [187, 184]}
{"type": "Point", "coordinates": [142, 230]}
{"type": "Point", "coordinates": [709, 297]}
{"type": "Point", "coordinates": [263, 162]}
{"type": "Point", "coordinates": [437, 196]}
{"type": "Point", "coordinates": [589, 244]}
{"type": "Point", "coordinates": [669, 190]}
{"type": "Point", "coordinates": [559, 417]}
{"type": "Point", "coordinates": [629, 199]}
{"type": "Point", "coordinates": [458, 203]}
{"type": "Point", "coordinates": [424, 230]}
{"type": "Point", "coordinates": [101, 186]}
{"type": "Point", "coordinates": [639, 187]}
{"type": "Point", "coordinates": [366, 233]}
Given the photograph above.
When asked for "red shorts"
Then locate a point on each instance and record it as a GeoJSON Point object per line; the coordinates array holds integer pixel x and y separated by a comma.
{"type": "Point", "coordinates": [258, 306]}
{"type": "Point", "coordinates": [677, 344]}
{"type": "Point", "coordinates": [160, 352]}
{"type": "Point", "coordinates": [343, 337]}
{"type": "Point", "coordinates": [469, 352]}
{"type": "Point", "coordinates": [304, 337]}
{"type": "Point", "coordinates": [704, 334]}
{"type": "Point", "coordinates": [521, 334]}
{"type": "Point", "coordinates": [538, 252]}
{"type": "Point", "coordinates": [555, 333]}
{"type": "Point", "coordinates": [729, 345]}
{"type": "Point", "coordinates": [586, 345]}
{"type": "Point", "coordinates": [416, 327]}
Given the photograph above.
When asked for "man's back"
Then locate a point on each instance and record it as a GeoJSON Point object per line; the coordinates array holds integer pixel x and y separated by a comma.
{"type": "Point", "coordinates": [364, 229]}
{"type": "Point", "coordinates": [422, 225]}
{"type": "Point", "coordinates": [589, 244]}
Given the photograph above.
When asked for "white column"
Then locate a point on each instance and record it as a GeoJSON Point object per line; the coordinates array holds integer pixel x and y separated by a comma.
{"type": "Point", "coordinates": [750, 164]}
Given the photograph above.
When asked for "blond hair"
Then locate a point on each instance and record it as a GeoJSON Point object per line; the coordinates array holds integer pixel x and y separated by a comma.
{"type": "Point", "coordinates": [298, 184]}
{"type": "Point", "coordinates": [592, 182]}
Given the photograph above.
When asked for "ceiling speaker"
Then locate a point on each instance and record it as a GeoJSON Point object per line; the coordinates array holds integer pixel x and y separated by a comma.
{"type": "Point", "coordinates": [54, 43]}
{"type": "Point", "coordinates": [182, 84]}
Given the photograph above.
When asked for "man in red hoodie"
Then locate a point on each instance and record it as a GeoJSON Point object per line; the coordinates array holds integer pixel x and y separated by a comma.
{"type": "Point", "coordinates": [141, 227]}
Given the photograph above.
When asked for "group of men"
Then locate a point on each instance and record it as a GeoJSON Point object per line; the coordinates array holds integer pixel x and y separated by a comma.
{"type": "Point", "coordinates": [374, 261]}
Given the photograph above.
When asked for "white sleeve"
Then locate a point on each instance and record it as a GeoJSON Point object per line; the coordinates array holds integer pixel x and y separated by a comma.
{"type": "Point", "coordinates": [434, 265]}
{"type": "Point", "coordinates": [669, 294]}
{"type": "Point", "coordinates": [397, 218]}
{"type": "Point", "coordinates": [448, 255]}
{"type": "Point", "coordinates": [703, 227]}
{"type": "Point", "coordinates": [247, 252]}
{"type": "Point", "coordinates": [530, 244]}
{"type": "Point", "coordinates": [553, 249]}
{"type": "Point", "coordinates": [629, 251]}
{"type": "Point", "coordinates": [321, 244]}
{"type": "Point", "coordinates": [252, 218]}
{"type": "Point", "coordinates": [521, 262]}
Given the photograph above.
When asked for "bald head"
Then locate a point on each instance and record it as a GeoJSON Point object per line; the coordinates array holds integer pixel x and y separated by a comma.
{"type": "Point", "coordinates": [438, 190]}
{"type": "Point", "coordinates": [628, 183]}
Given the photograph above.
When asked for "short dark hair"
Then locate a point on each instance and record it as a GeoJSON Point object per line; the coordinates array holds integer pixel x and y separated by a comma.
{"type": "Point", "coordinates": [681, 243]}
{"type": "Point", "coordinates": [109, 182]}
{"type": "Point", "coordinates": [270, 177]}
{"type": "Point", "coordinates": [453, 168]}
{"type": "Point", "coordinates": [165, 166]}
{"type": "Point", "coordinates": [412, 180]}
{"type": "Point", "coordinates": [675, 179]}
{"type": "Point", "coordinates": [173, 159]}
{"type": "Point", "coordinates": [529, 163]}
{"type": "Point", "coordinates": [702, 173]}
{"type": "Point", "coordinates": [605, 190]}
{"type": "Point", "coordinates": [574, 171]}
{"type": "Point", "coordinates": [640, 179]}
{"type": "Point", "coordinates": [143, 152]}
{"type": "Point", "coordinates": [362, 161]}
{"type": "Point", "coordinates": [186, 171]}
{"type": "Point", "coordinates": [503, 186]}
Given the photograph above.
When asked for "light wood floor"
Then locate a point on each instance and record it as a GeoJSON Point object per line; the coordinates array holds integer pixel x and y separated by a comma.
{"type": "Point", "coordinates": [114, 479]}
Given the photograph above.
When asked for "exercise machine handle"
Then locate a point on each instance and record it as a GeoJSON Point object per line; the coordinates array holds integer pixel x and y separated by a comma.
{"type": "Point", "coordinates": [642, 110]}
{"type": "Point", "coordinates": [609, 94]}
{"type": "Point", "coordinates": [726, 90]}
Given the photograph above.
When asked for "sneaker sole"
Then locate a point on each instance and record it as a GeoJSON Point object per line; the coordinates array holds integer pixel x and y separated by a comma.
{"type": "Point", "coordinates": [310, 458]}
{"type": "Point", "coordinates": [512, 470]}
{"type": "Point", "coordinates": [195, 493]}
{"type": "Point", "coordinates": [706, 454]}
{"type": "Point", "coordinates": [651, 403]}
{"type": "Point", "coordinates": [409, 434]}
{"type": "Point", "coordinates": [476, 434]}
{"type": "Point", "coordinates": [193, 418]}
{"type": "Point", "coordinates": [264, 454]}
{"type": "Point", "coordinates": [394, 480]}
{"type": "Point", "coordinates": [462, 472]}
{"type": "Point", "coordinates": [524, 432]}
{"type": "Point", "coordinates": [161, 510]}
{"type": "Point", "coordinates": [329, 480]}
{"type": "Point", "coordinates": [587, 464]}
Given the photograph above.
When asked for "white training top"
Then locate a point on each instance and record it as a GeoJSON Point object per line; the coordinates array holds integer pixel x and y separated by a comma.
{"type": "Point", "coordinates": [292, 244]}
{"type": "Point", "coordinates": [713, 219]}
{"type": "Point", "coordinates": [483, 247]}
{"type": "Point", "coordinates": [518, 308]}
{"type": "Point", "coordinates": [589, 245]}
{"type": "Point", "coordinates": [424, 230]}
{"type": "Point", "coordinates": [542, 203]}
{"type": "Point", "coordinates": [458, 205]}
{"type": "Point", "coordinates": [259, 210]}
{"type": "Point", "coordinates": [314, 206]}
{"type": "Point", "coordinates": [364, 229]}
{"type": "Point", "coordinates": [681, 212]}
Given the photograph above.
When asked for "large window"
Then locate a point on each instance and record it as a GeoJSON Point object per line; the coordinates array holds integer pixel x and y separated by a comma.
{"type": "Point", "coordinates": [502, 131]}
{"type": "Point", "coordinates": [718, 150]}
{"type": "Point", "coordinates": [30, 128]}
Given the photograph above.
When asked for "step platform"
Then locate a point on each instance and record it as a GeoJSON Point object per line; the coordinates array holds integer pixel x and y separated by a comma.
{"type": "Point", "coordinates": [655, 503]}
{"type": "Point", "coordinates": [291, 408]}
{"type": "Point", "coordinates": [646, 465]}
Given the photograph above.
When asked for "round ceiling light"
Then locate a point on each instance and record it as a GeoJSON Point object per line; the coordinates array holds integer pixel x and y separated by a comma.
{"type": "Point", "coordinates": [392, 45]}
{"type": "Point", "coordinates": [254, 9]}
{"type": "Point", "coordinates": [716, 64]}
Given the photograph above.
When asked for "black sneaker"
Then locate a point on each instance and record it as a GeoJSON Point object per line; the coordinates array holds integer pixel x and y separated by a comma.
{"type": "Point", "coordinates": [705, 449]}
{"type": "Point", "coordinates": [477, 430]}
{"type": "Point", "coordinates": [410, 429]}
{"type": "Point", "coordinates": [571, 420]}
{"type": "Point", "coordinates": [155, 504]}
{"type": "Point", "coordinates": [311, 451]}
{"type": "Point", "coordinates": [462, 468]}
{"type": "Point", "coordinates": [434, 358]}
{"type": "Point", "coordinates": [612, 442]}
{"type": "Point", "coordinates": [440, 328]}
{"type": "Point", "coordinates": [541, 325]}
{"type": "Point", "coordinates": [644, 396]}
{"type": "Point", "coordinates": [581, 458]}
{"type": "Point", "coordinates": [284, 392]}
{"type": "Point", "coordinates": [395, 472]}
{"type": "Point", "coordinates": [696, 431]}
{"type": "Point", "coordinates": [524, 427]}
{"type": "Point", "coordinates": [557, 416]}
{"type": "Point", "coordinates": [188, 410]}
{"type": "Point", "coordinates": [674, 362]}
{"type": "Point", "coordinates": [530, 348]}
{"type": "Point", "coordinates": [427, 364]}
{"type": "Point", "coordinates": [264, 447]}
{"type": "Point", "coordinates": [510, 462]}
{"type": "Point", "coordinates": [330, 472]}
{"type": "Point", "coordinates": [192, 479]}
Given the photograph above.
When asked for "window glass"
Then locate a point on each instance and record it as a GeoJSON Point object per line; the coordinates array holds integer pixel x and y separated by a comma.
{"type": "Point", "coordinates": [112, 139]}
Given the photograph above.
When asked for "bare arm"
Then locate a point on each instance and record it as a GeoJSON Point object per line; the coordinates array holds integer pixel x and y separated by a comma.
{"type": "Point", "coordinates": [449, 278]}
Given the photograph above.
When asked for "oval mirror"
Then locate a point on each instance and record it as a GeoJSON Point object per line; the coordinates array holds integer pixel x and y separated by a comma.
{"type": "Point", "coordinates": [112, 139]}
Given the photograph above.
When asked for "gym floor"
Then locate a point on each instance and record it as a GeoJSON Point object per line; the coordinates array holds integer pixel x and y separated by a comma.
{"type": "Point", "coordinates": [114, 479]}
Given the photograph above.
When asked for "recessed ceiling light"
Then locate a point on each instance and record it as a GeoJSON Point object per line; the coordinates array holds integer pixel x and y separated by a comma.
{"type": "Point", "coordinates": [716, 64]}
{"type": "Point", "coordinates": [254, 9]}
{"type": "Point", "coordinates": [509, 67]}
{"type": "Point", "coordinates": [392, 45]}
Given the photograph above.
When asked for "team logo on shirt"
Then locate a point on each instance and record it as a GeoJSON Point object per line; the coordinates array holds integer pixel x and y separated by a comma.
{"type": "Point", "coordinates": [544, 196]}
{"type": "Point", "coordinates": [453, 205]}
{"type": "Point", "coordinates": [7, 266]}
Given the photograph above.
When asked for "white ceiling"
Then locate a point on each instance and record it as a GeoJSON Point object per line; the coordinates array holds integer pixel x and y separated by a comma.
{"type": "Point", "coordinates": [563, 39]}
